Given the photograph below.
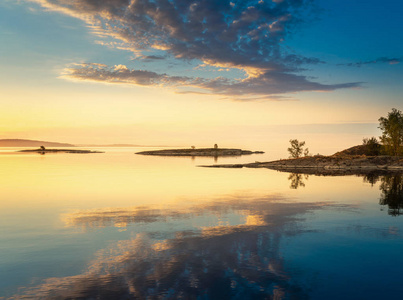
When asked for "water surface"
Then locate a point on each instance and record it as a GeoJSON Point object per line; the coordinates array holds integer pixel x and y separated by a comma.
{"type": "Point", "coordinates": [122, 226]}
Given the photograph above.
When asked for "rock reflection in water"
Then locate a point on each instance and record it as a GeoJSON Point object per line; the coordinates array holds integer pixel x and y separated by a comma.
{"type": "Point", "coordinates": [242, 261]}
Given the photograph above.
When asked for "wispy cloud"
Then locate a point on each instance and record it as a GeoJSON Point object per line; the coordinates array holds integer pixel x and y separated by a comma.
{"type": "Point", "coordinates": [121, 74]}
{"type": "Point", "coordinates": [380, 60]}
{"type": "Point", "coordinates": [245, 35]}
{"type": "Point", "coordinates": [268, 83]}
{"type": "Point", "coordinates": [153, 57]}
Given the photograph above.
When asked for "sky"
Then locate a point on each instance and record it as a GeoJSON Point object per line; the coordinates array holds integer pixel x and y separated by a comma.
{"type": "Point", "coordinates": [181, 73]}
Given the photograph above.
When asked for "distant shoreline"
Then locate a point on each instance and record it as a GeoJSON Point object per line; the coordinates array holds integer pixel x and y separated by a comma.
{"type": "Point", "coordinates": [31, 143]}
{"type": "Point", "coordinates": [9, 143]}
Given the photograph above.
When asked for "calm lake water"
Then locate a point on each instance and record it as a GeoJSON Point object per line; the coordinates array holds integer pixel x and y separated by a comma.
{"type": "Point", "coordinates": [124, 226]}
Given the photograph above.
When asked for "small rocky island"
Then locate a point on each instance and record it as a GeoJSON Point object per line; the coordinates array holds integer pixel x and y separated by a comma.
{"type": "Point", "coordinates": [216, 152]}
{"type": "Point", "coordinates": [43, 150]}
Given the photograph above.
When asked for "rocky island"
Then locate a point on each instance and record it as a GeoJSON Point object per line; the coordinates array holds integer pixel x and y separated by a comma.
{"type": "Point", "coordinates": [216, 152]}
{"type": "Point", "coordinates": [314, 164]}
{"type": "Point", "coordinates": [44, 151]}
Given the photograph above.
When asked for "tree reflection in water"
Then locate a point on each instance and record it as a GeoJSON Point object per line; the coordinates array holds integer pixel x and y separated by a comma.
{"type": "Point", "coordinates": [392, 193]}
{"type": "Point", "coordinates": [391, 187]}
{"type": "Point", "coordinates": [297, 180]}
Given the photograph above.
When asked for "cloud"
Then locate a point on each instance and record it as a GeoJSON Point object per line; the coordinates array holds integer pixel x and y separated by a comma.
{"type": "Point", "coordinates": [269, 83]}
{"type": "Point", "coordinates": [382, 60]}
{"type": "Point", "coordinates": [245, 35]}
{"type": "Point", "coordinates": [153, 57]}
{"type": "Point", "coordinates": [122, 74]}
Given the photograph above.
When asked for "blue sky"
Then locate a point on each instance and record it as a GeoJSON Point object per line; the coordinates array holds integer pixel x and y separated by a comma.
{"type": "Point", "coordinates": [328, 40]}
{"type": "Point", "coordinates": [316, 55]}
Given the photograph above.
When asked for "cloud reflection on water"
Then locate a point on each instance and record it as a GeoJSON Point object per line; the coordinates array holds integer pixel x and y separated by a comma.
{"type": "Point", "coordinates": [273, 208]}
{"type": "Point", "coordinates": [240, 261]}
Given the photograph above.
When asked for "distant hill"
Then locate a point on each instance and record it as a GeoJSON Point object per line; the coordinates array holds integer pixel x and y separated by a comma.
{"type": "Point", "coordinates": [109, 145]}
{"type": "Point", "coordinates": [30, 143]}
{"type": "Point", "coordinates": [119, 145]}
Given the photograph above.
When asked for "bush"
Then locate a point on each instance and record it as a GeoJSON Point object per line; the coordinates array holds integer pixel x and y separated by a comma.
{"type": "Point", "coordinates": [371, 146]}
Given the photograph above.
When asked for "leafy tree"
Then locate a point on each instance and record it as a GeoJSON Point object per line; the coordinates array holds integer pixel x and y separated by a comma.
{"type": "Point", "coordinates": [392, 132]}
{"type": "Point", "coordinates": [297, 148]}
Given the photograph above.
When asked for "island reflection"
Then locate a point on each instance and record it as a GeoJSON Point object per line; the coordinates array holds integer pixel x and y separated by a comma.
{"type": "Point", "coordinates": [215, 261]}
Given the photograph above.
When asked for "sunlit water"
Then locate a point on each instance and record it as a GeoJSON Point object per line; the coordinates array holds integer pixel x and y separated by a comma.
{"type": "Point", "coordinates": [124, 226]}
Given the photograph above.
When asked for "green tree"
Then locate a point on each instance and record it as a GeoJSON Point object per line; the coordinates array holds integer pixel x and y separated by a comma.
{"type": "Point", "coordinates": [392, 132]}
{"type": "Point", "coordinates": [297, 148]}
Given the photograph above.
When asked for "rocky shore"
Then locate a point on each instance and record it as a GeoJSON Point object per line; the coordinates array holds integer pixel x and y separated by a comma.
{"type": "Point", "coordinates": [200, 152]}
{"type": "Point", "coordinates": [44, 151]}
{"type": "Point", "coordinates": [328, 164]}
